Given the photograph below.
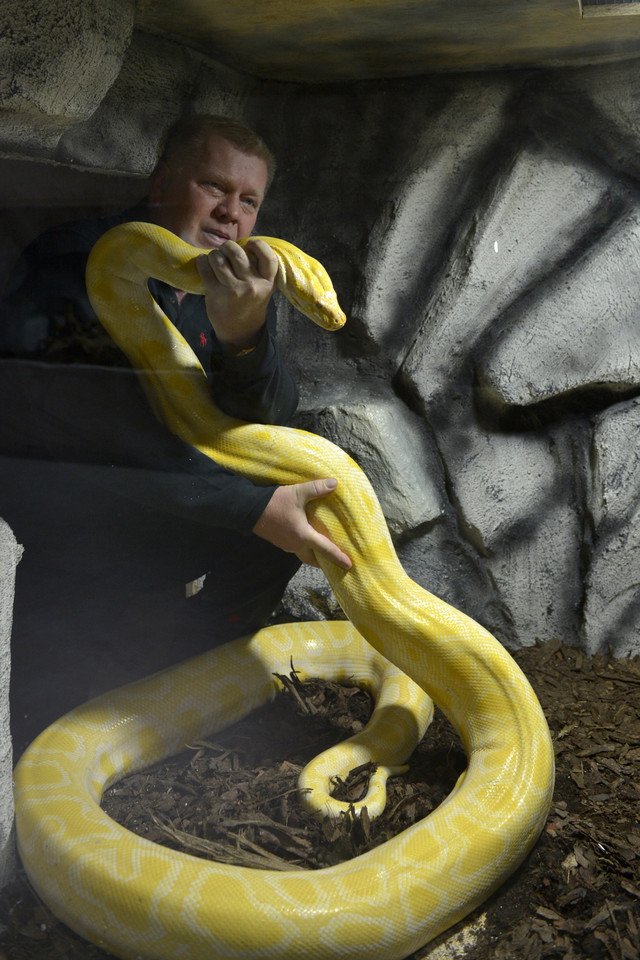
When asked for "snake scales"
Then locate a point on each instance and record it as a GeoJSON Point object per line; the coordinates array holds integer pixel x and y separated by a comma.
{"type": "Point", "coordinates": [139, 900]}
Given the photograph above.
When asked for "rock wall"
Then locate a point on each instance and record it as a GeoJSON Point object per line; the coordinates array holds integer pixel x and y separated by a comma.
{"type": "Point", "coordinates": [58, 64]}
{"type": "Point", "coordinates": [10, 553]}
{"type": "Point", "coordinates": [483, 232]}
{"type": "Point", "coordinates": [484, 236]}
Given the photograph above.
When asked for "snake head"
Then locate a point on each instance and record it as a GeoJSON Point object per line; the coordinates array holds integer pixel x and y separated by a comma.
{"type": "Point", "coordinates": [306, 284]}
{"type": "Point", "coordinates": [321, 306]}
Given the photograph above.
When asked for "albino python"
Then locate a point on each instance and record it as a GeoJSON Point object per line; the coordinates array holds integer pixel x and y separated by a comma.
{"type": "Point", "coordinates": [140, 900]}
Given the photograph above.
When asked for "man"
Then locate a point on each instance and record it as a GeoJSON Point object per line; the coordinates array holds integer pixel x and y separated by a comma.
{"type": "Point", "coordinates": [207, 188]}
{"type": "Point", "coordinates": [210, 197]}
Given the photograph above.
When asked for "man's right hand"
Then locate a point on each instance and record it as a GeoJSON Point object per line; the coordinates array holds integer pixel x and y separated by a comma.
{"type": "Point", "coordinates": [285, 523]}
{"type": "Point", "coordinates": [238, 286]}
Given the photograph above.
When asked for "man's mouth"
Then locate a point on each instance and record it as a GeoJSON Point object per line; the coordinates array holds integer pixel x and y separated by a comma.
{"type": "Point", "coordinates": [215, 237]}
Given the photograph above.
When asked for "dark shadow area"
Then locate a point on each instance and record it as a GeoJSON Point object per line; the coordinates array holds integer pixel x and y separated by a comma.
{"type": "Point", "coordinates": [101, 590]}
{"type": "Point", "coordinates": [582, 402]}
{"type": "Point", "coordinates": [38, 194]}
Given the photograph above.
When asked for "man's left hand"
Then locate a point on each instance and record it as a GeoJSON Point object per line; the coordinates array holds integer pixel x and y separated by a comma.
{"type": "Point", "coordinates": [238, 282]}
{"type": "Point", "coordinates": [285, 524]}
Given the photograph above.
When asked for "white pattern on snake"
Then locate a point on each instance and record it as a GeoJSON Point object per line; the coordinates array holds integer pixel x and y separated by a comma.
{"type": "Point", "coordinates": [138, 899]}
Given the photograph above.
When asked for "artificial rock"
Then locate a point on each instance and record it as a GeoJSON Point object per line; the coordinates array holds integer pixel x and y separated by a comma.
{"type": "Point", "coordinates": [612, 612]}
{"type": "Point", "coordinates": [57, 65]}
{"type": "Point", "coordinates": [394, 449]}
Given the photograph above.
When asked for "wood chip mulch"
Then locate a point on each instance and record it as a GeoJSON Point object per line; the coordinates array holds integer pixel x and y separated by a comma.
{"type": "Point", "coordinates": [234, 799]}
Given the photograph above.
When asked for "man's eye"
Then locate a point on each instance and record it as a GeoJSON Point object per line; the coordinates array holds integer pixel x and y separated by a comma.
{"type": "Point", "coordinates": [250, 202]}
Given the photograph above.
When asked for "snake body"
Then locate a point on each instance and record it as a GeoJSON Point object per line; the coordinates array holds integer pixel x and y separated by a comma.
{"type": "Point", "coordinates": [139, 900]}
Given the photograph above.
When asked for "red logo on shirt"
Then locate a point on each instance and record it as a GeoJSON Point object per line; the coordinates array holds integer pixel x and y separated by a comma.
{"type": "Point", "coordinates": [203, 340]}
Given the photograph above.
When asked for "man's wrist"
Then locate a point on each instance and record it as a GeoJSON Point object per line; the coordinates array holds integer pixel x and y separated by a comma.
{"type": "Point", "coordinates": [240, 347]}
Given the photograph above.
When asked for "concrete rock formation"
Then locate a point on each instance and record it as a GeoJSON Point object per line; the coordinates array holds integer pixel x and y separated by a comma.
{"type": "Point", "coordinates": [58, 64]}
{"type": "Point", "coordinates": [10, 553]}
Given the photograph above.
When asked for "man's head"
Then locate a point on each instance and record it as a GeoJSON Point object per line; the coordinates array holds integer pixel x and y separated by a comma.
{"type": "Point", "coordinates": [210, 180]}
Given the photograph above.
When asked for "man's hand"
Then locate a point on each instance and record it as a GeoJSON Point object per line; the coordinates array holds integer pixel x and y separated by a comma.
{"type": "Point", "coordinates": [284, 523]}
{"type": "Point", "coordinates": [238, 283]}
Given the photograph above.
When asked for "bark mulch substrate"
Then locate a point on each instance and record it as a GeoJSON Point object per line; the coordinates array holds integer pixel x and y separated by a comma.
{"type": "Point", "coordinates": [577, 895]}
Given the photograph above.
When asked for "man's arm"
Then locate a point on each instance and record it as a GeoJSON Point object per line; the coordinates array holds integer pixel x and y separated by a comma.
{"type": "Point", "coordinates": [47, 286]}
{"type": "Point", "coordinates": [239, 283]}
{"type": "Point", "coordinates": [256, 386]}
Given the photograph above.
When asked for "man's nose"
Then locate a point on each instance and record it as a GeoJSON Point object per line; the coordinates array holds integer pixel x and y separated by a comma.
{"type": "Point", "coordinates": [228, 208]}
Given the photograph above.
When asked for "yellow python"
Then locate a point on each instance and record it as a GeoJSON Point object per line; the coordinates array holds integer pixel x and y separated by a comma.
{"type": "Point", "coordinates": [137, 899]}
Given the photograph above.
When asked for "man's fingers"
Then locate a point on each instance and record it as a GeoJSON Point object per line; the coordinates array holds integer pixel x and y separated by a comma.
{"type": "Point", "coordinates": [256, 258]}
{"type": "Point", "coordinates": [307, 556]}
{"type": "Point", "coordinates": [214, 269]}
{"type": "Point", "coordinates": [224, 264]}
{"type": "Point", "coordinates": [233, 257]}
{"type": "Point", "coordinates": [313, 489]}
{"type": "Point", "coordinates": [284, 523]}
{"type": "Point", "coordinates": [263, 256]}
{"type": "Point", "coordinates": [328, 549]}
{"type": "Point", "coordinates": [204, 267]}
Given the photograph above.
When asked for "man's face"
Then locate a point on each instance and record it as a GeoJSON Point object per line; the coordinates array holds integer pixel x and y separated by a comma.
{"type": "Point", "coordinates": [211, 198]}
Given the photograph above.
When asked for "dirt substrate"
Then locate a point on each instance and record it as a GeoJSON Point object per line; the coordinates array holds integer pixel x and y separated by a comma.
{"type": "Point", "coordinates": [234, 799]}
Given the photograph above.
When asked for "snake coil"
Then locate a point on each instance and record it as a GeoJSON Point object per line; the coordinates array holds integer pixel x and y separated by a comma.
{"type": "Point", "coordinates": [139, 900]}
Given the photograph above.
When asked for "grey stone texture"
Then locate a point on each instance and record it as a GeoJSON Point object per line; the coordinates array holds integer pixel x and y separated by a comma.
{"type": "Point", "coordinates": [58, 62]}
{"type": "Point", "coordinates": [491, 281]}
{"type": "Point", "coordinates": [591, 304]}
{"type": "Point", "coordinates": [483, 233]}
{"type": "Point", "coordinates": [157, 78]}
{"type": "Point", "coordinates": [612, 581]}
{"type": "Point", "coordinates": [10, 553]}
{"type": "Point", "coordinates": [405, 478]}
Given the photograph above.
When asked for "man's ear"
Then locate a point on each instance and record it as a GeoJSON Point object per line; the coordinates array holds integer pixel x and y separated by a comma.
{"type": "Point", "coordinates": [158, 182]}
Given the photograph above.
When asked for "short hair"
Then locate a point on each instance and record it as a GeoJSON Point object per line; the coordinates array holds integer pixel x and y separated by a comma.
{"type": "Point", "coordinates": [188, 135]}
